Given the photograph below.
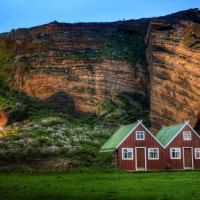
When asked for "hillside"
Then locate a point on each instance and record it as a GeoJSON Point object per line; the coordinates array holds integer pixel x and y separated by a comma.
{"type": "Point", "coordinates": [74, 84]}
{"type": "Point", "coordinates": [52, 140]}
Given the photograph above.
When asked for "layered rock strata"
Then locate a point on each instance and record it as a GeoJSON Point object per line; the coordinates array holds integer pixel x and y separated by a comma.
{"type": "Point", "coordinates": [174, 65]}
{"type": "Point", "coordinates": [78, 66]}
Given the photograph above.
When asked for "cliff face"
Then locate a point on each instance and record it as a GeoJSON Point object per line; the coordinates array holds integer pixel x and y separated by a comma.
{"type": "Point", "coordinates": [74, 67]}
{"type": "Point", "coordinates": [174, 65]}
{"type": "Point", "coordinates": [77, 66]}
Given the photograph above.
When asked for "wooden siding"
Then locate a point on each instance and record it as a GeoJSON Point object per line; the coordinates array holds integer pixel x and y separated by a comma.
{"type": "Point", "coordinates": [178, 142]}
{"type": "Point", "coordinates": [149, 142]}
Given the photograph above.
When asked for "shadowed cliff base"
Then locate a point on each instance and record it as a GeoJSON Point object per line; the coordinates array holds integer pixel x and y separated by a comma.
{"type": "Point", "coordinates": [135, 99]}
{"type": "Point", "coordinates": [197, 126]}
{"type": "Point", "coordinates": [15, 114]}
{"type": "Point", "coordinates": [19, 107]}
{"type": "Point", "coordinates": [61, 102]}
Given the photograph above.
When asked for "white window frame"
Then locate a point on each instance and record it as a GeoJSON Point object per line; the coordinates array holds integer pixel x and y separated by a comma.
{"type": "Point", "coordinates": [142, 133]}
{"type": "Point", "coordinates": [179, 149]}
{"type": "Point", "coordinates": [195, 151]}
{"type": "Point", "coordinates": [187, 132]}
{"type": "Point", "coordinates": [150, 149]}
{"type": "Point", "coordinates": [129, 149]}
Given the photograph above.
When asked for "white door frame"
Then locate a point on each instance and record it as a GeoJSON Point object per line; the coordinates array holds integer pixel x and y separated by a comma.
{"type": "Point", "coordinates": [145, 159]}
{"type": "Point", "coordinates": [191, 157]}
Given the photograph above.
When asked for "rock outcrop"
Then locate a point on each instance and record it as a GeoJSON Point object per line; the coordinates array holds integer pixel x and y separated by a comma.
{"type": "Point", "coordinates": [3, 119]}
{"type": "Point", "coordinates": [174, 66]}
{"type": "Point", "coordinates": [13, 115]}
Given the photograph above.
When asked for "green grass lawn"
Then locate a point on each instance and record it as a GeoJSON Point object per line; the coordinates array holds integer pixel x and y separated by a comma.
{"type": "Point", "coordinates": [100, 185]}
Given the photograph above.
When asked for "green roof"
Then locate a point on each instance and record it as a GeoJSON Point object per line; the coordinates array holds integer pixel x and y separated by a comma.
{"type": "Point", "coordinates": [166, 134]}
{"type": "Point", "coordinates": [117, 137]}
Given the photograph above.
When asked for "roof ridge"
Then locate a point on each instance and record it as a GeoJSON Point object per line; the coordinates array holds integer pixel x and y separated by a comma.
{"type": "Point", "coordinates": [174, 125]}
{"type": "Point", "coordinates": [171, 126]}
{"type": "Point", "coordinates": [168, 132]}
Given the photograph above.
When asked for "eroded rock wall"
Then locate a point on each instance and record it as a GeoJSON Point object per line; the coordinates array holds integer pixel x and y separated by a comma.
{"type": "Point", "coordinates": [174, 65]}
{"type": "Point", "coordinates": [75, 67]}
{"type": "Point", "coordinates": [81, 86]}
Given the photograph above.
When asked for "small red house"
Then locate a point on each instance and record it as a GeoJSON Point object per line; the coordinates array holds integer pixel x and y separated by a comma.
{"type": "Point", "coordinates": [181, 146]}
{"type": "Point", "coordinates": [136, 148]}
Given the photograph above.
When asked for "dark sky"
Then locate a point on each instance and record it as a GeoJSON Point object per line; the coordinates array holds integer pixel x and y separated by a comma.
{"type": "Point", "coordinates": [27, 13]}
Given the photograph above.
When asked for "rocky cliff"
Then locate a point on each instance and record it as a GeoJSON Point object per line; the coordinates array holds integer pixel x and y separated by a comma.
{"type": "Point", "coordinates": [174, 65]}
{"type": "Point", "coordinates": [75, 67]}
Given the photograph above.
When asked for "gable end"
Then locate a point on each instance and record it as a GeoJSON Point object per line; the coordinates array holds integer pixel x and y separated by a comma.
{"type": "Point", "coordinates": [127, 135]}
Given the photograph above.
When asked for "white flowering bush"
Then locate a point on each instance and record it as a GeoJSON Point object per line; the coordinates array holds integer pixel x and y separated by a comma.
{"type": "Point", "coordinates": [49, 121]}
{"type": "Point", "coordinates": [39, 140]}
{"type": "Point", "coordinates": [100, 132]}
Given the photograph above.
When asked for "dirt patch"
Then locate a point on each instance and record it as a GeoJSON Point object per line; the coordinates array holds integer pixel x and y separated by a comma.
{"type": "Point", "coordinates": [50, 164]}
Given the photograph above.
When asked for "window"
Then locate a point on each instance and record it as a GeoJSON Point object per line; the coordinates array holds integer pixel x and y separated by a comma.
{"type": "Point", "coordinates": [140, 135]}
{"type": "Point", "coordinates": [153, 153]}
{"type": "Point", "coordinates": [175, 153]}
{"type": "Point", "coordinates": [127, 154]}
{"type": "Point", "coordinates": [197, 153]}
{"type": "Point", "coordinates": [187, 135]}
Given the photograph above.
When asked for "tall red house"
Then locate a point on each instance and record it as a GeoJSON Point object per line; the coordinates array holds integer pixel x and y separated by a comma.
{"type": "Point", "coordinates": [136, 148]}
{"type": "Point", "coordinates": [181, 146]}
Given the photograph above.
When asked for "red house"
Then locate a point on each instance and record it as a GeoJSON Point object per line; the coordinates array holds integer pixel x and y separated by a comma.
{"type": "Point", "coordinates": [136, 148]}
{"type": "Point", "coordinates": [181, 146]}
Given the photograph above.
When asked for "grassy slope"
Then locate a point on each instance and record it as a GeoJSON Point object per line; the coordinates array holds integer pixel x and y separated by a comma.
{"type": "Point", "coordinates": [101, 185]}
{"type": "Point", "coordinates": [79, 135]}
{"type": "Point", "coordinates": [49, 133]}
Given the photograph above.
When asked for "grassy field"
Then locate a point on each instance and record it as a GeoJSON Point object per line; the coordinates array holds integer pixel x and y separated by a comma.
{"type": "Point", "coordinates": [100, 185]}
